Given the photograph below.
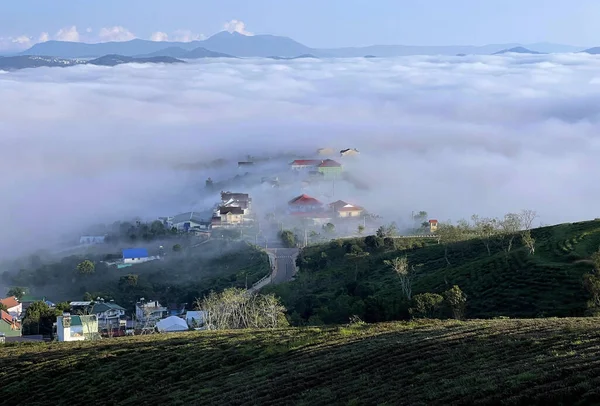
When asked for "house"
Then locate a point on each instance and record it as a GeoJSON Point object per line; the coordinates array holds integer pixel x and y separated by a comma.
{"type": "Point", "coordinates": [9, 325]}
{"type": "Point", "coordinates": [110, 315]}
{"type": "Point", "coordinates": [238, 197]}
{"type": "Point", "coordinates": [433, 226]}
{"type": "Point", "coordinates": [172, 324]}
{"type": "Point", "coordinates": [190, 220]}
{"type": "Point", "coordinates": [330, 168]}
{"type": "Point", "coordinates": [343, 209]}
{"type": "Point", "coordinates": [13, 306]}
{"type": "Point", "coordinates": [149, 312]}
{"type": "Point", "coordinates": [135, 255]}
{"type": "Point", "coordinates": [349, 152]}
{"type": "Point", "coordinates": [303, 204]}
{"type": "Point", "coordinates": [76, 327]}
{"type": "Point", "coordinates": [316, 218]}
{"type": "Point", "coordinates": [92, 239]}
{"type": "Point", "coordinates": [304, 164]}
{"type": "Point", "coordinates": [195, 319]}
{"type": "Point", "coordinates": [231, 216]}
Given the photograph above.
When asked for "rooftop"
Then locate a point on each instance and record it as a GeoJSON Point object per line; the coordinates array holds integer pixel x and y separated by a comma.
{"type": "Point", "coordinates": [433, 221]}
{"type": "Point", "coordinates": [305, 200]}
{"type": "Point", "coordinates": [196, 217]}
{"type": "Point", "coordinates": [10, 301]}
{"type": "Point", "coordinates": [135, 253]}
{"type": "Point", "coordinates": [231, 210]}
{"type": "Point", "coordinates": [330, 163]}
{"type": "Point", "coordinates": [8, 318]}
{"type": "Point", "coordinates": [307, 162]}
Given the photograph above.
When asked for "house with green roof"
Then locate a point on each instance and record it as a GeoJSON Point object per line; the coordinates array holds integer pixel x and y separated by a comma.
{"type": "Point", "coordinates": [9, 325]}
{"type": "Point", "coordinates": [110, 315]}
{"type": "Point", "coordinates": [76, 327]}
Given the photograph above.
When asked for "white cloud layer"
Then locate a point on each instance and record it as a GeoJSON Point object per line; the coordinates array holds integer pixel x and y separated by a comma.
{"type": "Point", "coordinates": [67, 34]}
{"type": "Point", "coordinates": [452, 136]}
{"type": "Point", "coordinates": [159, 36]}
{"type": "Point", "coordinates": [236, 26]}
{"type": "Point", "coordinates": [186, 36]}
{"type": "Point", "coordinates": [116, 33]}
{"type": "Point", "coordinates": [44, 36]}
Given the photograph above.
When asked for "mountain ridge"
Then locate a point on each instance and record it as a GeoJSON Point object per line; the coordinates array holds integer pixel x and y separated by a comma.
{"type": "Point", "coordinates": [266, 45]}
{"type": "Point", "coordinates": [10, 63]}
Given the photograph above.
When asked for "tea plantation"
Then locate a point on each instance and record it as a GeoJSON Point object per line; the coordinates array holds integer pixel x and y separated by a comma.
{"type": "Point", "coordinates": [511, 362]}
{"type": "Point", "coordinates": [333, 285]}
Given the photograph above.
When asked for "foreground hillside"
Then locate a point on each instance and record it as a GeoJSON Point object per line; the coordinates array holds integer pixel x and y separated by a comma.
{"type": "Point", "coordinates": [334, 283]}
{"type": "Point", "coordinates": [550, 361]}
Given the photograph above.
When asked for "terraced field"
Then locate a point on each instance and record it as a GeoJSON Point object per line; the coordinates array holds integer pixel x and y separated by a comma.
{"type": "Point", "coordinates": [329, 289]}
{"type": "Point", "coordinates": [512, 362]}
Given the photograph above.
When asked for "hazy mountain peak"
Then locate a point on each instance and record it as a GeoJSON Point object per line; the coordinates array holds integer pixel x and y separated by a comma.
{"type": "Point", "coordinates": [517, 50]}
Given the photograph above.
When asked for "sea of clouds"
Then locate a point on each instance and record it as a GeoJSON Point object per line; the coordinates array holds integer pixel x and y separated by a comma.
{"type": "Point", "coordinates": [450, 135]}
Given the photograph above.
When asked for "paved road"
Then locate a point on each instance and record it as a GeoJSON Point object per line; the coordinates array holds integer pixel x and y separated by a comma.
{"type": "Point", "coordinates": [284, 264]}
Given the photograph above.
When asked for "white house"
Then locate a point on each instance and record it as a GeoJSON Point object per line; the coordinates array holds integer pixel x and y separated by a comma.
{"type": "Point", "coordinates": [76, 328]}
{"type": "Point", "coordinates": [172, 324]}
{"type": "Point", "coordinates": [149, 312]}
{"type": "Point", "coordinates": [92, 239]}
{"type": "Point", "coordinates": [135, 255]}
{"type": "Point", "coordinates": [305, 164]}
{"type": "Point", "coordinates": [14, 307]}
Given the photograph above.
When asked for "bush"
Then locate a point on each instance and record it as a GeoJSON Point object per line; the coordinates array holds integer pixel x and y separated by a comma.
{"type": "Point", "coordinates": [426, 305]}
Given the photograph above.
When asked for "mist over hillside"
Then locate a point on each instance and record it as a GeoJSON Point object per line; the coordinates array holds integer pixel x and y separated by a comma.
{"type": "Point", "coordinates": [452, 136]}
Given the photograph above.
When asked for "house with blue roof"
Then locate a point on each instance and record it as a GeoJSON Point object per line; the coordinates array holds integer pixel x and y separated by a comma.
{"type": "Point", "coordinates": [135, 255]}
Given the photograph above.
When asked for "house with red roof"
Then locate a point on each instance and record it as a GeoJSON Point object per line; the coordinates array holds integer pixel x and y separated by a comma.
{"type": "Point", "coordinates": [13, 306]}
{"type": "Point", "coordinates": [305, 164]}
{"type": "Point", "coordinates": [9, 326]}
{"type": "Point", "coordinates": [330, 168]}
{"type": "Point", "coordinates": [343, 209]}
{"type": "Point", "coordinates": [304, 204]}
{"type": "Point", "coordinates": [433, 226]}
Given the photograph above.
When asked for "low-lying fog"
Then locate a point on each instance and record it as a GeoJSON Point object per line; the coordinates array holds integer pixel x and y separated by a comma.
{"type": "Point", "coordinates": [450, 135]}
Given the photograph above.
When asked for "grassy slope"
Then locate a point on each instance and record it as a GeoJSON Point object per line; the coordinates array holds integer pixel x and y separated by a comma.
{"type": "Point", "coordinates": [545, 284]}
{"type": "Point", "coordinates": [550, 361]}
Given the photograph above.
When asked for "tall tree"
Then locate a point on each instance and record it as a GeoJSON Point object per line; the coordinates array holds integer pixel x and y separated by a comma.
{"type": "Point", "coordinates": [17, 292]}
{"type": "Point", "coordinates": [529, 241]}
{"type": "Point", "coordinates": [401, 267]}
{"type": "Point", "coordinates": [510, 225]}
{"type": "Point", "coordinates": [486, 229]}
{"type": "Point", "coordinates": [457, 301]}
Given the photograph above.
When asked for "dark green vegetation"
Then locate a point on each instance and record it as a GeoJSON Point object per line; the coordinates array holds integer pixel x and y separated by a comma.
{"type": "Point", "coordinates": [512, 362]}
{"type": "Point", "coordinates": [184, 274]}
{"type": "Point", "coordinates": [336, 281]}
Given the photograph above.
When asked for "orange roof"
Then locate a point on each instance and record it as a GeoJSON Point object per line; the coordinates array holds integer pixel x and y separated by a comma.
{"type": "Point", "coordinates": [10, 302]}
{"type": "Point", "coordinates": [433, 221]}
{"type": "Point", "coordinates": [9, 319]}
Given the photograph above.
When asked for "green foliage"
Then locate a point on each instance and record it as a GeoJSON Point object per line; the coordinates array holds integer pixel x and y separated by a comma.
{"type": "Point", "coordinates": [3, 307]}
{"type": "Point", "coordinates": [329, 228]}
{"type": "Point", "coordinates": [177, 248]}
{"type": "Point", "coordinates": [39, 318]}
{"type": "Point", "coordinates": [457, 302]}
{"type": "Point", "coordinates": [489, 362]}
{"type": "Point", "coordinates": [426, 305]}
{"type": "Point", "coordinates": [515, 284]}
{"type": "Point", "coordinates": [288, 238]}
{"type": "Point", "coordinates": [86, 267]}
{"type": "Point", "coordinates": [17, 292]}
{"type": "Point", "coordinates": [361, 229]}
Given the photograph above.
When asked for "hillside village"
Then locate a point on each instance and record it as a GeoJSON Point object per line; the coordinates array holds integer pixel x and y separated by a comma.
{"type": "Point", "coordinates": [235, 215]}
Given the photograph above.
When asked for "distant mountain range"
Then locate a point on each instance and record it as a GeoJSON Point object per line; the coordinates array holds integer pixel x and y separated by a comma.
{"type": "Point", "coordinates": [9, 63]}
{"type": "Point", "coordinates": [518, 50]}
{"type": "Point", "coordinates": [227, 45]}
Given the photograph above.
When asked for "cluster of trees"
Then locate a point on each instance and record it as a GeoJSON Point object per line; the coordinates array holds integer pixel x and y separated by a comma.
{"type": "Point", "coordinates": [431, 305]}
{"type": "Point", "coordinates": [591, 283]}
{"type": "Point", "coordinates": [39, 317]}
{"type": "Point", "coordinates": [495, 233]}
{"type": "Point", "coordinates": [288, 238]}
{"type": "Point", "coordinates": [238, 308]}
{"type": "Point", "coordinates": [139, 231]}
{"type": "Point", "coordinates": [451, 303]}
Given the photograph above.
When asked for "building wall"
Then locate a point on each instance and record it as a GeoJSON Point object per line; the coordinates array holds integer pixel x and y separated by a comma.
{"type": "Point", "coordinates": [16, 310]}
{"type": "Point", "coordinates": [7, 329]}
{"type": "Point", "coordinates": [331, 172]}
{"type": "Point", "coordinates": [232, 218]}
{"type": "Point", "coordinates": [350, 213]}
{"type": "Point", "coordinates": [135, 260]}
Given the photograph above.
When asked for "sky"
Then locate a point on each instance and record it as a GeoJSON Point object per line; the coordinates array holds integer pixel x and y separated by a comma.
{"type": "Point", "coordinates": [315, 23]}
{"type": "Point", "coordinates": [453, 136]}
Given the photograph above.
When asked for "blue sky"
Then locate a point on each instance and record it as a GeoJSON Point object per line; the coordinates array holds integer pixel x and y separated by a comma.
{"type": "Point", "coordinates": [317, 23]}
